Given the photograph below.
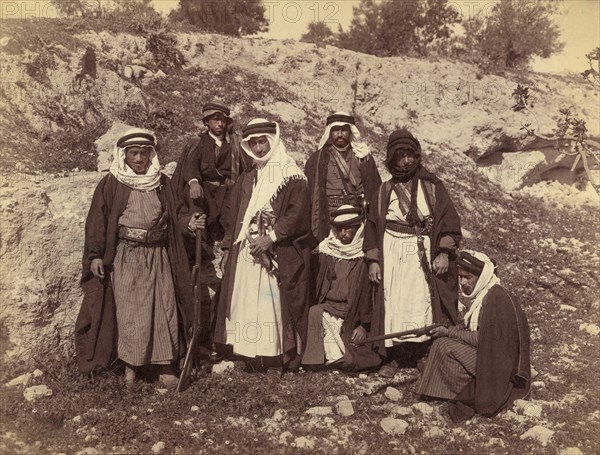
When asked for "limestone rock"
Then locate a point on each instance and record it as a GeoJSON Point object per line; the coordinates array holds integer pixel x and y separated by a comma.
{"type": "Point", "coordinates": [344, 408]}
{"type": "Point", "coordinates": [279, 415]}
{"type": "Point", "coordinates": [591, 329]}
{"type": "Point", "coordinates": [540, 433]}
{"type": "Point", "coordinates": [425, 408]}
{"type": "Point", "coordinates": [37, 373]}
{"type": "Point", "coordinates": [393, 394]}
{"type": "Point", "coordinates": [36, 392]}
{"type": "Point", "coordinates": [222, 367]}
{"type": "Point", "coordinates": [158, 447]}
{"type": "Point", "coordinates": [434, 432]}
{"type": "Point", "coordinates": [393, 426]}
{"type": "Point", "coordinates": [304, 443]}
{"type": "Point", "coordinates": [402, 411]}
{"type": "Point", "coordinates": [285, 437]}
{"type": "Point", "coordinates": [319, 411]}
{"type": "Point", "coordinates": [571, 451]}
{"type": "Point", "coordinates": [194, 408]}
{"type": "Point", "coordinates": [105, 144]}
{"type": "Point", "coordinates": [22, 380]}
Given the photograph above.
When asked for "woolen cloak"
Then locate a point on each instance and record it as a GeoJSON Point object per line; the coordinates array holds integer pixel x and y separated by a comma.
{"type": "Point", "coordinates": [359, 312]}
{"type": "Point", "coordinates": [95, 327]}
{"type": "Point", "coordinates": [446, 222]}
{"type": "Point", "coordinates": [316, 173]}
{"type": "Point", "coordinates": [503, 371]}
{"type": "Point", "coordinates": [290, 206]}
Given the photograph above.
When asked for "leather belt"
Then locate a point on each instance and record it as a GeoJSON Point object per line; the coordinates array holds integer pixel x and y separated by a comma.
{"type": "Point", "coordinates": [143, 235]}
{"type": "Point", "coordinates": [343, 199]}
{"type": "Point", "coordinates": [404, 228]}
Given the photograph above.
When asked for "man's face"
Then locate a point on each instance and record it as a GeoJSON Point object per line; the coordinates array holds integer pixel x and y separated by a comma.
{"type": "Point", "coordinates": [467, 281]}
{"type": "Point", "coordinates": [260, 146]}
{"type": "Point", "coordinates": [405, 159]}
{"type": "Point", "coordinates": [340, 136]}
{"type": "Point", "coordinates": [137, 158]}
{"type": "Point", "coordinates": [217, 124]}
{"type": "Point", "coordinates": [346, 234]}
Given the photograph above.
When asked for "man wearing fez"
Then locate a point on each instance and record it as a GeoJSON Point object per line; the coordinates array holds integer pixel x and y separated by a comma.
{"type": "Point", "coordinates": [341, 315]}
{"type": "Point", "coordinates": [262, 308]}
{"type": "Point", "coordinates": [482, 365]}
{"type": "Point", "coordinates": [342, 171]}
{"type": "Point", "coordinates": [206, 171]}
{"type": "Point", "coordinates": [411, 236]}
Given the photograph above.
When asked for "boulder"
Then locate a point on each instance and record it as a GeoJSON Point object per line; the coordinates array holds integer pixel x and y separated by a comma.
{"type": "Point", "coordinates": [393, 426]}
{"type": "Point", "coordinates": [539, 433]}
{"type": "Point", "coordinates": [393, 394]}
{"type": "Point", "coordinates": [36, 392]}
{"type": "Point", "coordinates": [344, 408]}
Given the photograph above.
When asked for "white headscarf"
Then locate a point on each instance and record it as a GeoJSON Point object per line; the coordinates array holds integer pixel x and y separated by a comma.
{"type": "Point", "coordinates": [124, 174]}
{"type": "Point", "coordinates": [274, 170]}
{"type": "Point", "coordinates": [486, 280]}
{"type": "Point", "coordinates": [332, 246]}
{"type": "Point", "coordinates": [360, 149]}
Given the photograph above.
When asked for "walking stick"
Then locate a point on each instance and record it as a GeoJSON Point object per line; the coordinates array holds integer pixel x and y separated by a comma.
{"type": "Point", "coordinates": [184, 378]}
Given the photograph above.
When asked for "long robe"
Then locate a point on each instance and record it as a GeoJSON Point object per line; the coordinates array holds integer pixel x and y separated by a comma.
{"type": "Point", "coordinates": [346, 297]}
{"type": "Point", "coordinates": [446, 223]}
{"type": "Point", "coordinates": [95, 326]}
{"type": "Point", "coordinates": [317, 180]}
{"type": "Point", "coordinates": [502, 371]}
{"type": "Point", "coordinates": [290, 206]}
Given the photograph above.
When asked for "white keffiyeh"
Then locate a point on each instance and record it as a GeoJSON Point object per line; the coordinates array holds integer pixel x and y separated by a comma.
{"type": "Point", "coordinates": [486, 280]}
{"type": "Point", "coordinates": [124, 174]}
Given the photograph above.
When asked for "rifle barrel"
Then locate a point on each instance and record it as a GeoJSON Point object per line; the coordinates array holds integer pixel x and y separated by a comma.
{"type": "Point", "coordinates": [420, 331]}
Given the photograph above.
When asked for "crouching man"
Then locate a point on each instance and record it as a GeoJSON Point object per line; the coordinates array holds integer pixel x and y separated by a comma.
{"type": "Point", "coordinates": [482, 366]}
{"type": "Point", "coordinates": [340, 320]}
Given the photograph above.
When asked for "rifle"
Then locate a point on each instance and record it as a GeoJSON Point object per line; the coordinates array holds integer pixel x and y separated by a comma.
{"type": "Point", "coordinates": [417, 332]}
{"type": "Point", "coordinates": [184, 377]}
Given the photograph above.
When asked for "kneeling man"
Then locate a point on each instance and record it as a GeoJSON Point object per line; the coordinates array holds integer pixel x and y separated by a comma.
{"type": "Point", "coordinates": [482, 366]}
{"type": "Point", "coordinates": [341, 317]}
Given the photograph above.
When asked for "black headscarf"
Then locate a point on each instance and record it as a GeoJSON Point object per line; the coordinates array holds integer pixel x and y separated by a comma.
{"type": "Point", "coordinates": [399, 140]}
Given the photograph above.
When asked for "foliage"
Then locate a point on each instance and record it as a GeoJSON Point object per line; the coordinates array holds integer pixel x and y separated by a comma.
{"type": "Point", "coordinates": [318, 33]}
{"type": "Point", "coordinates": [233, 17]}
{"type": "Point", "coordinates": [88, 8]}
{"type": "Point", "coordinates": [397, 27]}
{"type": "Point", "coordinates": [514, 32]}
{"type": "Point", "coordinates": [593, 74]}
{"type": "Point", "coordinates": [569, 135]}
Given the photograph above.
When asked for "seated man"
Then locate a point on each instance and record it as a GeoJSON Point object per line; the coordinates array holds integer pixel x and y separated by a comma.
{"type": "Point", "coordinates": [342, 313]}
{"type": "Point", "coordinates": [482, 366]}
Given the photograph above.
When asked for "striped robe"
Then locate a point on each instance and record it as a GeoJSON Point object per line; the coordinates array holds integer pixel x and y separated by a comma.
{"type": "Point", "coordinates": [483, 371]}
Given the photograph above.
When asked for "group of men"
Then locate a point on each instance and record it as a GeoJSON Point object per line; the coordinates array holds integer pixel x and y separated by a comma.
{"type": "Point", "coordinates": [325, 267]}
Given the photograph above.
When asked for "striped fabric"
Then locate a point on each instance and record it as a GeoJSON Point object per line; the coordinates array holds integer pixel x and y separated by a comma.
{"type": "Point", "coordinates": [450, 366]}
{"type": "Point", "coordinates": [144, 291]}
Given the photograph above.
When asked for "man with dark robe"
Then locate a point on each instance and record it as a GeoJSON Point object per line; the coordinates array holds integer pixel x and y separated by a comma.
{"type": "Point", "coordinates": [411, 236]}
{"type": "Point", "coordinates": [135, 278]}
{"type": "Point", "coordinates": [481, 365]}
{"type": "Point", "coordinates": [342, 171]}
{"type": "Point", "coordinates": [206, 171]}
{"type": "Point", "coordinates": [341, 317]}
{"type": "Point", "coordinates": [262, 308]}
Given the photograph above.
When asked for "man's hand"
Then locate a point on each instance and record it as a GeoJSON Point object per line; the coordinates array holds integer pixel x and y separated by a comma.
{"type": "Point", "coordinates": [260, 245]}
{"type": "Point", "coordinates": [195, 190]}
{"type": "Point", "coordinates": [359, 335]}
{"type": "Point", "coordinates": [439, 332]}
{"type": "Point", "coordinates": [374, 273]}
{"type": "Point", "coordinates": [440, 264]}
{"type": "Point", "coordinates": [197, 221]}
{"type": "Point", "coordinates": [97, 268]}
{"type": "Point", "coordinates": [224, 261]}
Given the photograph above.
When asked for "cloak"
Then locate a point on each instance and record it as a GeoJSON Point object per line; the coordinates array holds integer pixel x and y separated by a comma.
{"type": "Point", "coordinates": [446, 222]}
{"type": "Point", "coordinates": [290, 206]}
{"type": "Point", "coordinates": [96, 324]}
{"type": "Point", "coordinates": [319, 207]}
{"type": "Point", "coordinates": [503, 371]}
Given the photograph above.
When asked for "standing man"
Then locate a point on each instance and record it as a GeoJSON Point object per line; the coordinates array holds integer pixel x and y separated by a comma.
{"type": "Point", "coordinates": [342, 171]}
{"type": "Point", "coordinates": [206, 171]}
{"type": "Point", "coordinates": [483, 364]}
{"type": "Point", "coordinates": [262, 307]}
{"type": "Point", "coordinates": [411, 237]}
